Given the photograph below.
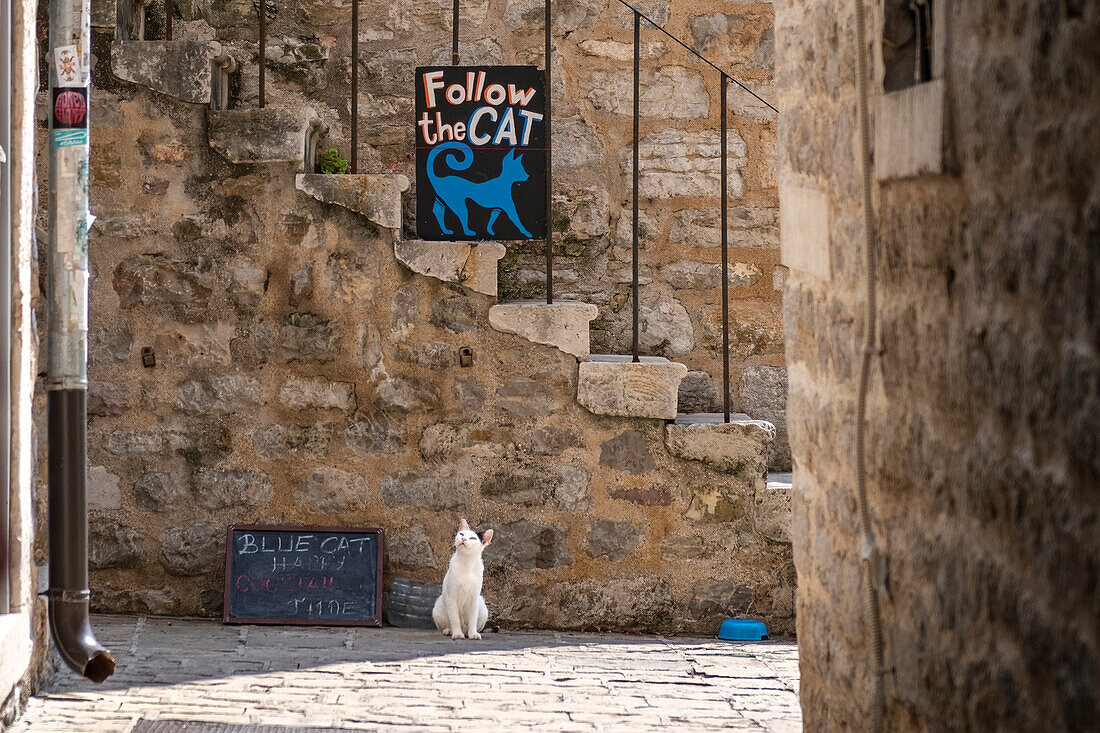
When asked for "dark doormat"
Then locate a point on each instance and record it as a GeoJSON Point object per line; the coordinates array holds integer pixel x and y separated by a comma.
{"type": "Point", "coordinates": [206, 726]}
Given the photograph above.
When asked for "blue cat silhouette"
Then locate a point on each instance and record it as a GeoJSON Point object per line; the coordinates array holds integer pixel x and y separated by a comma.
{"type": "Point", "coordinates": [455, 193]}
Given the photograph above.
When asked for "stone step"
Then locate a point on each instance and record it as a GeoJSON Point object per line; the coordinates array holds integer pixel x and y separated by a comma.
{"type": "Point", "coordinates": [377, 197]}
{"type": "Point", "coordinates": [191, 71]}
{"type": "Point", "coordinates": [268, 135]}
{"type": "Point", "coordinates": [739, 446]}
{"type": "Point", "coordinates": [472, 265]}
{"type": "Point", "coordinates": [615, 385]}
{"type": "Point", "coordinates": [563, 324]}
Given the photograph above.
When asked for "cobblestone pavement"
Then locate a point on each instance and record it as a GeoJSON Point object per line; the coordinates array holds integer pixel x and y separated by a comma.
{"type": "Point", "coordinates": [397, 679]}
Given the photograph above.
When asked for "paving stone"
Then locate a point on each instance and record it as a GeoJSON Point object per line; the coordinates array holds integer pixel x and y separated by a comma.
{"type": "Point", "coordinates": [403, 679]}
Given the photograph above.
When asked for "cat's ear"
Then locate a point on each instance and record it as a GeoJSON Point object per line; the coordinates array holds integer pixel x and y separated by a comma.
{"type": "Point", "coordinates": [462, 525]}
{"type": "Point", "coordinates": [486, 537]}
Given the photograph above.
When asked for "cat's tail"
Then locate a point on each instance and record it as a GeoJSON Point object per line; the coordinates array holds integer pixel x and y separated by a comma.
{"type": "Point", "coordinates": [459, 158]}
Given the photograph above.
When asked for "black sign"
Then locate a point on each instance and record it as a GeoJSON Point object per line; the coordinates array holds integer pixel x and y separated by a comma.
{"type": "Point", "coordinates": [480, 153]}
{"type": "Point", "coordinates": [70, 108]}
{"type": "Point", "coordinates": [303, 575]}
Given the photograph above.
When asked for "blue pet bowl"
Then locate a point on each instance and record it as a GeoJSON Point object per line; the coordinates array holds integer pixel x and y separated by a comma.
{"type": "Point", "coordinates": [743, 630]}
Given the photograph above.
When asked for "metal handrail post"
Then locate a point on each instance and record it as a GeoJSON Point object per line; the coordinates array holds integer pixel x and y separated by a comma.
{"type": "Point", "coordinates": [637, 109]}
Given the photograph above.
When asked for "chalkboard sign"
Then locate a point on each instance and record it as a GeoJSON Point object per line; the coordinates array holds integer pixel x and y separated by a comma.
{"type": "Point", "coordinates": [318, 576]}
{"type": "Point", "coordinates": [480, 153]}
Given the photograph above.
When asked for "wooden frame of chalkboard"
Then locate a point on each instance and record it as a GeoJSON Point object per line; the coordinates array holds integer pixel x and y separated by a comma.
{"type": "Point", "coordinates": [229, 617]}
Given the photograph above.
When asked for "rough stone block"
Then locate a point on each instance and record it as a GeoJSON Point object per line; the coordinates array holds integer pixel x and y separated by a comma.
{"type": "Point", "coordinates": [103, 489]}
{"type": "Point", "coordinates": [614, 385]}
{"type": "Point", "coordinates": [180, 69]}
{"type": "Point", "coordinates": [328, 489]}
{"type": "Point", "coordinates": [771, 509]}
{"type": "Point", "coordinates": [107, 398]}
{"type": "Point", "coordinates": [675, 163]}
{"type": "Point", "coordinates": [734, 447]}
{"type": "Point", "coordinates": [191, 550]}
{"type": "Point", "coordinates": [528, 546]}
{"type": "Point", "coordinates": [572, 489]}
{"type": "Point", "coordinates": [376, 197]}
{"type": "Point", "coordinates": [628, 451]}
{"type": "Point", "coordinates": [156, 492]}
{"type": "Point", "coordinates": [279, 442]}
{"type": "Point", "coordinates": [515, 485]}
{"type": "Point", "coordinates": [372, 437]}
{"type": "Point", "coordinates": [222, 489]}
{"type": "Point", "coordinates": [425, 491]}
{"type": "Point", "coordinates": [563, 325]}
{"type": "Point", "coordinates": [112, 545]}
{"type": "Point", "coordinates": [158, 280]}
{"type": "Point", "coordinates": [321, 394]}
{"type": "Point", "coordinates": [613, 540]}
{"type": "Point", "coordinates": [407, 395]}
{"type": "Point", "coordinates": [471, 265]}
{"type": "Point", "coordinates": [302, 337]}
{"type": "Point", "coordinates": [268, 135]}
{"type": "Point", "coordinates": [411, 549]}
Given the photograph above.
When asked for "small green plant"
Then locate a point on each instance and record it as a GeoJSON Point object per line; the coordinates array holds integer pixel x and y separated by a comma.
{"type": "Point", "coordinates": [331, 162]}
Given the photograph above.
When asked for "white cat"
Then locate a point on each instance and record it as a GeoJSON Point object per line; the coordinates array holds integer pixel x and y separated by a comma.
{"type": "Point", "coordinates": [460, 610]}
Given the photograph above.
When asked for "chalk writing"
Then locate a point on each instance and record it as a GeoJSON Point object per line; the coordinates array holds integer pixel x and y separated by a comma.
{"type": "Point", "coordinates": [303, 575]}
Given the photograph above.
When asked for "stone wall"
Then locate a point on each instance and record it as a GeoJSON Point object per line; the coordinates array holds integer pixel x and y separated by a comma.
{"type": "Point", "coordinates": [304, 375]}
{"type": "Point", "coordinates": [309, 64]}
{"type": "Point", "coordinates": [985, 400]}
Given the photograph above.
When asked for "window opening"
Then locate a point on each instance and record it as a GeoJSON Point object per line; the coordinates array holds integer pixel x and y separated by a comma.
{"type": "Point", "coordinates": [906, 43]}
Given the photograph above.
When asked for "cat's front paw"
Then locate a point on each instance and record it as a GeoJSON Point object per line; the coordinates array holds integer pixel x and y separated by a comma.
{"type": "Point", "coordinates": [458, 635]}
{"type": "Point", "coordinates": [474, 635]}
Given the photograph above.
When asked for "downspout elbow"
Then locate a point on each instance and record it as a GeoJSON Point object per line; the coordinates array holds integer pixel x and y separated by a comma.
{"type": "Point", "coordinates": [72, 634]}
{"type": "Point", "coordinates": [69, 595]}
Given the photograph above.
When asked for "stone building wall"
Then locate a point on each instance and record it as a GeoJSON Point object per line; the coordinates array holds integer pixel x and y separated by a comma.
{"type": "Point", "coordinates": [308, 63]}
{"type": "Point", "coordinates": [24, 636]}
{"type": "Point", "coordinates": [985, 400]}
{"type": "Point", "coordinates": [304, 375]}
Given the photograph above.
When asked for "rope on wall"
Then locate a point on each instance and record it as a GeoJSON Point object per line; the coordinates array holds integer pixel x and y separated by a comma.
{"type": "Point", "coordinates": [869, 553]}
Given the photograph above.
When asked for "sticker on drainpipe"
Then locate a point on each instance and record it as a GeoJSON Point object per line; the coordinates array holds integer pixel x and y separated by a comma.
{"type": "Point", "coordinates": [67, 61]}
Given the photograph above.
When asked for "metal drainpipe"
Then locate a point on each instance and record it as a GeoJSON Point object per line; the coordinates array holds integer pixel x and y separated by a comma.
{"type": "Point", "coordinates": [67, 377]}
{"type": "Point", "coordinates": [5, 299]}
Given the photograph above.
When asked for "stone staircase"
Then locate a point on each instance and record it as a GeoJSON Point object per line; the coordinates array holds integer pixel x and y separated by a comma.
{"type": "Point", "coordinates": [607, 384]}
